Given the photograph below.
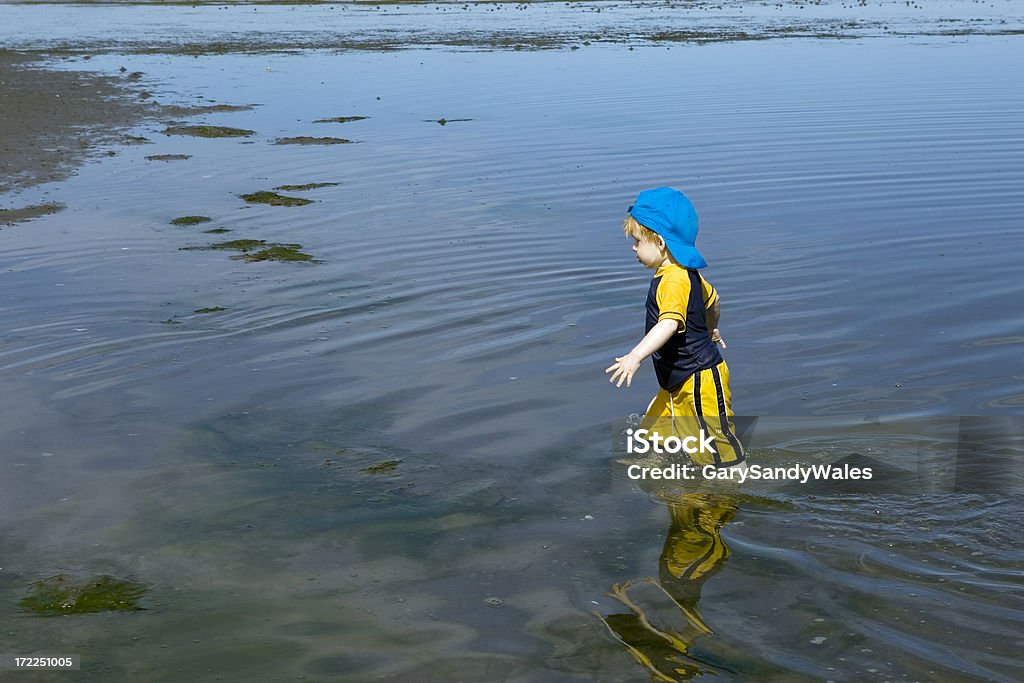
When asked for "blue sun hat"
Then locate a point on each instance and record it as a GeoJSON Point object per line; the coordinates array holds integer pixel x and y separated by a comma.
{"type": "Point", "coordinates": [671, 215]}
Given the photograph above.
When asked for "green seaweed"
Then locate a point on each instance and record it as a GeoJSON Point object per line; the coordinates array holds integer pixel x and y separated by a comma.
{"type": "Point", "coordinates": [386, 466]}
{"type": "Point", "coordinates": [237, 245]}
{"type": "Point", "coordinates": [136, 140]}
{"type": "Point", "coordinates": [279, 252]}
{"type": "Point", "coordinates": [341, 119]}
{"type": "Point", "coordinates": [169, 157]}
{"type": "Point", "coordinates": [258, 250]}
{"type": "Point", "coordinates": [209, 131]}
{"type": "Point", "coordinates": [224, 108]}
{"type": "Point", "coordinates": [63, 594]}
{"type": "Point", "coordinates": [191, 220]}
{"type": "Point", "coordinates": [173, 110]}
{"type": "Point", "coordinates": [211, 309]}
{"type": "Point", "coordinates": [274, 199]}
{"type": "Point", "coordinates": [307, 140]}
{"type": "Point", "coordinates": [11, 216]}
{"type": "Point", "coordinates": [217, 231]}
{"type": "Point", "coordinates": [307, 186]}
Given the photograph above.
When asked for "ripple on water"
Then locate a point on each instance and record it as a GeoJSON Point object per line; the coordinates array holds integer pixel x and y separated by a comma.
{"type": "Point", "coordinates": [474, 285]}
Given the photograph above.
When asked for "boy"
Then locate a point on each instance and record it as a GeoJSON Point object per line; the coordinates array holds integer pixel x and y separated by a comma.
{"type": "Point", "coordinates": [682, 327]}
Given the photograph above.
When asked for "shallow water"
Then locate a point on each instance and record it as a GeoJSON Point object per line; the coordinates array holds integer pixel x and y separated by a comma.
{"type": "Point", "coordinates": [860, 211]}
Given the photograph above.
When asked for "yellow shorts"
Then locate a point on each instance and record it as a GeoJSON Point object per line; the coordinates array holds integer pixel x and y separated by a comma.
{"type": "Point", "coordinates": [701, 403]}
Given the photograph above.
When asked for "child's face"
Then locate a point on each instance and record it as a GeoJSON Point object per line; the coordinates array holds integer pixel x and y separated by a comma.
{"type": "Point", "coordinates": [650, 254]}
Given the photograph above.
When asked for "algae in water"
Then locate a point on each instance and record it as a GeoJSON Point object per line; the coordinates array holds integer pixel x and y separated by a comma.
{"type": "Point", "coordinates": [341, 119]}
{"type": "Point", "coordinates": [63, 594]}
{"type": "Point", "coordinates": [191, 220]}
{"type": "Point", "coordinates": [259, 250]}
{"type": "Point", "coordinates": [386, 466]}
{"type": "Point", "coordinates": [274, 199]}
{"type": "Point", "coordinates": [12, 216]}
{"type": "Point", "coordinates": [307, 186]}
{"type": "Point", "coordinates": [209, 131]}
{"type": "Point", "coordinates": [307, 140]}
{"type": "Point", "coordinates": [237, 245]}
{"type": "Point", "coordinates": [206, 109]}
{"type": "Point", "coordinates": [279, 252]}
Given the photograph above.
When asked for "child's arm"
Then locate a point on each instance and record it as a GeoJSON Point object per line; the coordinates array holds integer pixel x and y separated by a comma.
{"type": "Point", "coordinates": [713, 313]}
{"type": "Point", "coordinates": [626, 366]}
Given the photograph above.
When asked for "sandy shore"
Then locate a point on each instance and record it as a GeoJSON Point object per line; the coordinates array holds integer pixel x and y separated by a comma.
{"type": "Point", "coordinates": [51, 120]}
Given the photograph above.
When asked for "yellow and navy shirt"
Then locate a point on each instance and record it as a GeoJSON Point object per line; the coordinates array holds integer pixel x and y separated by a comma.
{"type": "Point", "coordinates": [681, 294]}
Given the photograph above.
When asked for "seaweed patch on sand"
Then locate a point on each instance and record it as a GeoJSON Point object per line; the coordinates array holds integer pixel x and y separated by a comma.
{"type": "Point", "coordinates": [191, 220]}
{"type": "Point", "coordinates": [209, 131]}
{"type": "Point", "coordinates": [217, 231]}
{"type": "Point", "coordinates": [274, 199]}
{"type": "Point", "coordinates": [63, 594]}
{"type": "Point", "coordinates": [307, 140]}
{"type": "Point", "coordinates": [168, 157]}
{"type": "Point", "coordinates": [136, 140]}
{"type": "Point", "coordinates": [307, 186]}
{"type": "Point", "coordinates": [211, 309]}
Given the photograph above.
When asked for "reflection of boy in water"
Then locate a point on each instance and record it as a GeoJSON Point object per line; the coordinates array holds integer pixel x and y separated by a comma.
{"type": "Point", "coordinates": [681, 327]}
{"type": "Point", "coordinates": [663, 622]}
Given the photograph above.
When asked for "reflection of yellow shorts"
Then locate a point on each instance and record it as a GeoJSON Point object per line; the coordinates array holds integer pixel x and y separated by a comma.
{"type": "Point", "coordinates": [703, 402]}
{"type": "Point", "coordinates": [694, 546]}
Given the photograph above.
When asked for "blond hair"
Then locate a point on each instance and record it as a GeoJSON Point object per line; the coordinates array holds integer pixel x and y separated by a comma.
{"type": "Point", "coordinates": [638, 232]}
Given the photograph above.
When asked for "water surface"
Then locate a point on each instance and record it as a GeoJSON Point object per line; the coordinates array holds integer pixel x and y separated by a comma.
{"type": "Point", "coordinates": [860, 211]}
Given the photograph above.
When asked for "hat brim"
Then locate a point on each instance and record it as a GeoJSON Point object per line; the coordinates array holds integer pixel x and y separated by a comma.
{"type": "Point", "coordinates": [685, 255]}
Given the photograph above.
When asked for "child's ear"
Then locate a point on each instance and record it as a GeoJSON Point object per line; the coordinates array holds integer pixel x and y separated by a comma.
{"type": "Point", "coordinates": [661, 242]}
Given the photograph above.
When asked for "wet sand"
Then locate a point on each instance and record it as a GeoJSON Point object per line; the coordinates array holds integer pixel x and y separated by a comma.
{"type": "Point", "coordinates": [51, 120]}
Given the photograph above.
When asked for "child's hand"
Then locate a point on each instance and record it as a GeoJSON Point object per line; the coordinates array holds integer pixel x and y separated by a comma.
{"type": "Point", "coordinates": [716, 337]}
{"type": "Point", "coordinates": [625, 367]}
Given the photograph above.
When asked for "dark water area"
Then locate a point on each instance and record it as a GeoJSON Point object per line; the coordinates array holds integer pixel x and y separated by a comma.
{"type": "Point", "coordinates": [403, 462]}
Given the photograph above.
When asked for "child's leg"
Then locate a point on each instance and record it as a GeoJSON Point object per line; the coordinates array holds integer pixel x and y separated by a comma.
{"type": "Point", "coordinates": [712, 403]}
{"type": "Point", "coordinates": [703, 401]}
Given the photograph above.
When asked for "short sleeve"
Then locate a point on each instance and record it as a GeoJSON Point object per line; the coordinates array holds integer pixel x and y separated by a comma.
{"type": "Point", "coordinates": [673, 297]}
